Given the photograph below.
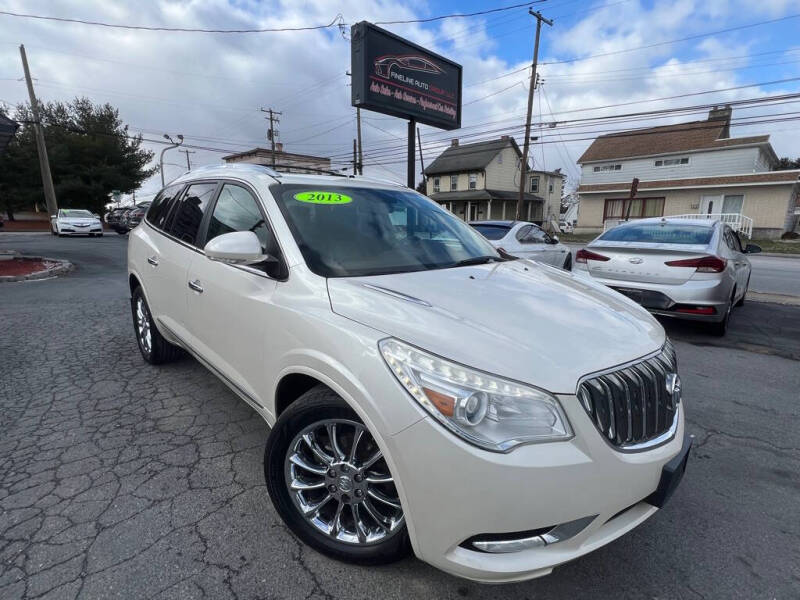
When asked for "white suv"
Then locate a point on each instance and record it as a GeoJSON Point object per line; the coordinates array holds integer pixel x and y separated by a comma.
{"type": "Point", "coordinates": [498, 416]}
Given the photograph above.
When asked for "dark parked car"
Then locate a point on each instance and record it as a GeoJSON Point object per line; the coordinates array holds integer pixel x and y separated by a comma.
{"type": "Point", "coordinates": [114, 219]}
{"type": "Point", "coordinates": [135, 215]}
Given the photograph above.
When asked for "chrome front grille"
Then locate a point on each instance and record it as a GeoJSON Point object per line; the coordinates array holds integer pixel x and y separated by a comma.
{"type": "Point", "coordinates": [634, 406]}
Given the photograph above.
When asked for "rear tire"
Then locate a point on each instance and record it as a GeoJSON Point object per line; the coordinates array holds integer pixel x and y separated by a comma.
{"type": "Point", "coordinates": [721, 328]}
{"type": "Point", "coordinates": [746, 287]}
{"type": "Point", "coordinates": [154, 348]}
{"type": "Point", "coordinates": [342, 519]}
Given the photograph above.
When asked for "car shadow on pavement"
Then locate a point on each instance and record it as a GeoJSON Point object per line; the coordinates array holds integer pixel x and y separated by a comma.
{"type": "Point", "coordinates": [758, 327]}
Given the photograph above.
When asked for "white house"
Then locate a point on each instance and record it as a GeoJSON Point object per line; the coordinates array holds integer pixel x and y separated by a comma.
{"type": "Point", "coordinates": [480, 181]}
{"type": "Point", "coordinates": [687, 168]}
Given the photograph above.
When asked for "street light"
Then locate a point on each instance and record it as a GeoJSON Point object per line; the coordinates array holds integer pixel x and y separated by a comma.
{"type": "Point", "coordinates": [170, 147]}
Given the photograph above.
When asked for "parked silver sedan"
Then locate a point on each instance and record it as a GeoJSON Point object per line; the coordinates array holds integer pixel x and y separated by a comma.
{"type": "Point", "coordinates": [683, 268]}
{"type": "Point", "coordinates": [526, 240]}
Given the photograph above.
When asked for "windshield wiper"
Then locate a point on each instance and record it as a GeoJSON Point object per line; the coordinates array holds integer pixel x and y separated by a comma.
{"type": "Point", "coordinates": [476, 260]}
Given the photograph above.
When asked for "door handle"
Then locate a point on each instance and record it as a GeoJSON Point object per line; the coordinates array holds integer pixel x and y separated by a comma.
{"type": "Point", "coordinates": [153, 260]}
{"type": "Point", "coordinates": [195, 285]}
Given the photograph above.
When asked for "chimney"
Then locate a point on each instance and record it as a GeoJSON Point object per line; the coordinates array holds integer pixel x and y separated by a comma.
{"type": "Point", "coordinates": [454, 143]}
{"type": "Point", "coordinates": [722, 114]}
{"type": "Point", "coordinates": [504, 137]}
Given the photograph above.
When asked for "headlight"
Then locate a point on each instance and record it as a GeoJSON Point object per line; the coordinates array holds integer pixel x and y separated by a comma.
{"type": "Point", "coordinates": [488, 411]}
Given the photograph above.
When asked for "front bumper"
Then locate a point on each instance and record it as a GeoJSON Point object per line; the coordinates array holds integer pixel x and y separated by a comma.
{"type": "Point", "coordinates": [453, 491]}
{"type": "Point", "coordinates": [666, 299]}
{"type": "Point", "coordinates": [76, 230]}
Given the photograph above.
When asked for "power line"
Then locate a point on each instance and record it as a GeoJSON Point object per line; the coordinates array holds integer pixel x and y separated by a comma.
{"type": "Point", "coordinates": [667, 42]}
{"type": "Point", "coordinates": [459, 15]}
{"type": "Point", "coordinates": [337, 20]}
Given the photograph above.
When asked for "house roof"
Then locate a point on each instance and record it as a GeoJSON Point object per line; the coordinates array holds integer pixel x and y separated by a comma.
{"type": "Point", "coordinates": [470, 157]}
{"type": "Point", "coordinates": [766, 178]}
{"type": "Point", "coordinates": [7, 130]}
{"type": "Point", "coordinates": [483, 195]}
{"type": "Point", "coordinates": [683, 137]}
{"type": "Point", "coordinates": [278, 153]}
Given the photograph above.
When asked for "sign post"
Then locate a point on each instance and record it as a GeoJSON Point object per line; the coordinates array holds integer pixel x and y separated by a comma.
{"type": "Point", "coordinates": [399, 78]}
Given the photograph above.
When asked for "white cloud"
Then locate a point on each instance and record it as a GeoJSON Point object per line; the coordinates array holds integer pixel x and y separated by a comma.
{"type": "Point", "coordinates": [210, 86]}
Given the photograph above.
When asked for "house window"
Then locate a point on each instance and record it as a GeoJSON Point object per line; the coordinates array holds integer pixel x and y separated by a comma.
{"type": "Point", "coordinates": [453, 183]}
{"type": "Point", "coordinates": [672, 162]}
{"type": "Point", "coordinates": [733, 204]}
{"type": "Point", "coordinates": [436, 184]}
{"type": "Point", "coordinates": [550, 188]}
{"type": "Point", "coordinates": [534, 187]}
{"type": "Point", "coordinates": [607, 168]}
{"type": "Point", "coordinates": [473, 181]}
{"type": "Point", "coordinates": [640, 208]}
{"type": "Point", "coordinates": [500, 159]}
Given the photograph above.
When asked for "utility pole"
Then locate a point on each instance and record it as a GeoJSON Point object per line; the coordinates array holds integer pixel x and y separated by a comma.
{"type": "Point", "coordinates": [187, 152]}
{"type": "Point", "coordinates": [272, 134]}
{"type": "Point", "coordinates": [173, 144]}
{"type": "Point", "coordinates": [44, 162]}
{"type": "Point", "coordinates": [411, 143]}
{"type": "Point", "coordinates": [421, 162]}
{"type": "Point", "coordinates": [355, 157]}
{"type": "Point", "coordinates": [526, 146]}
{"type": "Point", "coordinates": [360, 154]}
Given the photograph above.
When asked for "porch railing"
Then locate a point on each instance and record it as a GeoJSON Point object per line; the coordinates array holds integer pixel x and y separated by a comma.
{"type": "Point", "coordinates": [737, 222]}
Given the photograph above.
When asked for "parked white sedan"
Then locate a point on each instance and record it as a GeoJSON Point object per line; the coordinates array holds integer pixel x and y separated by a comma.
{"type": "Point", "coordinates": [72, 221]}
{"type": "Point", "coordinates": [526, 240]}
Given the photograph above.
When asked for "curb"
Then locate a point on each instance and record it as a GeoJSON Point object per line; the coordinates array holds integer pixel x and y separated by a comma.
{"type": "Point", "coordinates": [784, 299]}
{"type": "Point", "coordinates": [60, 268]}
{"type": "Point", "coordinates": [778, 254]}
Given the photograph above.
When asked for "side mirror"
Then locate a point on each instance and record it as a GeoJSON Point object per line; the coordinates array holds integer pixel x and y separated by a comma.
{"type": "Point", "coordinates": [553, 239]}
{"type": "Point", "coordinates": [237, 248]}
{"type": "Point", "coordinates": [752, 249]}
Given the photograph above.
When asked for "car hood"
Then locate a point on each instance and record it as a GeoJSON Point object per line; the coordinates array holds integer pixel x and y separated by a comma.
{"type": "Point", "coordinates": [517, 319]}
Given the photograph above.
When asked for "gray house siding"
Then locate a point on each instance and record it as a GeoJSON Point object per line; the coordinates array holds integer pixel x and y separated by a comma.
{"type": "Point", "coordinates": [701, 164]}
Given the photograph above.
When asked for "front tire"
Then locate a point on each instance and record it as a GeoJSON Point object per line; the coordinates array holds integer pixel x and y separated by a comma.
{"type": "Point", "coordinates": [330, 483]}
{"type": "Point", "coordinates": [154, 348]}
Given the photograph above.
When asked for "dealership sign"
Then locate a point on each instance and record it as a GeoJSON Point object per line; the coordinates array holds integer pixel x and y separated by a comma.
{"type": "Point", "coordinates": [395, 77]}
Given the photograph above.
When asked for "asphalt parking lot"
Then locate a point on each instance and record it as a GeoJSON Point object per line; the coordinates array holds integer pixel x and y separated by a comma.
{"type": "Point", "coordinates": [122, 480]}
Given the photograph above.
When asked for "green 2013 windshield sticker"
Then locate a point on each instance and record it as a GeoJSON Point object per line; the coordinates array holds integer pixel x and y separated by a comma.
{"type": "Point", "coordinates": [316, 197]}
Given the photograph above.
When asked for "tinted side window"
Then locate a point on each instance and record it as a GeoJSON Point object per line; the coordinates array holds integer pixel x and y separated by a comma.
{"type": "Point", "coordinates": [536, 236]}
{"type": "Point", "coordinates": [523, 233]}
{"type": "Point", "coordinates": [237, 210]}
{"type": "Point", "coordinates": [162, 204]}
{"type": "Point", "coordinates": [188, 214]}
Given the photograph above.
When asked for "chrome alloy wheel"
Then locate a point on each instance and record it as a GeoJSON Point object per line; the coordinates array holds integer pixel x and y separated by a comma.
{"type": "Point", "coordinates": [143, 325]}
{"type": "Point", "coordinates": [337, 477]}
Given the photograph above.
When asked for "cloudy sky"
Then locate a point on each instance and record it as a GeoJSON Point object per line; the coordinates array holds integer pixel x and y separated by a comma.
{"type": "Point", "coordinates": [210, 87]}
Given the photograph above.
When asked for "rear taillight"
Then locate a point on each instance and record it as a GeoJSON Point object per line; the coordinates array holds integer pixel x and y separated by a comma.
{"type": "Point", "coordinates": [581, 256]}
{"type": "Point", "coordinates": [704, 264]}
{"type": "Point", "coordinates": [695, 310]}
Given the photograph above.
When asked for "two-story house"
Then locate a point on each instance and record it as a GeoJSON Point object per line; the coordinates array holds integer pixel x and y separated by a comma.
{"type": "Point", "coordinates": [688, 168]}
{"type": "Point", "coordinates": [480, 181]}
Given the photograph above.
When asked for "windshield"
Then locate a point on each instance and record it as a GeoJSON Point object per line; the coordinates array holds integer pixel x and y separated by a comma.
{"type": "Point", "coordinates": [350, 231]}
{"type": "Point", "coordinates": [76, 213]}
{"type": "Point", "coordinates": [660, 233]}
{"type": "Point", "coordinates": [491, 232]}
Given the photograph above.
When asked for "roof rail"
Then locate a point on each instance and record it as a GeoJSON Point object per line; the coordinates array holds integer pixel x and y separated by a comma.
{"type": "Point", "coordinates": [238, 166]}
{"type": "Point", "coordinates": [376, 179]}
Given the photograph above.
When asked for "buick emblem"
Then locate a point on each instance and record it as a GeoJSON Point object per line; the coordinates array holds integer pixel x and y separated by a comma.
{"type": "Point", "coordinates": [674, 388]}
{"type": "Point", "coordinates": [635, 260]}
